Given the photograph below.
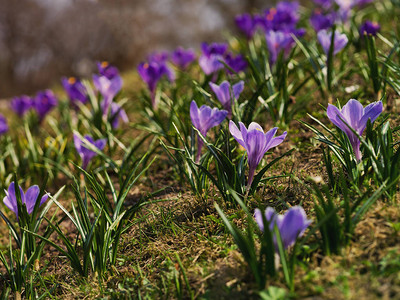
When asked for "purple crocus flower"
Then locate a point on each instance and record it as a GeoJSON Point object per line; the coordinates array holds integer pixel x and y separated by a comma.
{"type": "Point", "coordinates": [29, 198]}
{"type": "Point", "coordinates": [183, 57]}
{"type": "Point", "coordinates": [107, 70]}
{"type": "Point", "coordinates": [205, 118]}
{"type": "Point", "coordinates": [75, 90]}
{"type": "Point", "coordinates": [370, 28]}
{"type": "Point", "coordinates": [227, 94]}
{"type": "Point", "coordinates": [151, 73]}
{"type": "Point", "coordinates": [291, 225]}
{"type": "Point", "coordinates": [320, 21]}
{"type": "Point", "coordinates": [236, 63]}
{"type": "Point", "coordinates": [282, 18]}
{"type": "Point", "coordinates": [20, 105]}
{"type": "Point", "coordinates": [3, 125]}
{"type": "Point", "coordinates": [356, 116]}
{"type": "Point", "coordinates": [211, 57]}
{"type": "Point", "coordinates": [117, 114]}
{"type": "Point", "coordinates": [43, 103]}
{"type": "Point", "coordinates": [108, 88]}
{"type": "Point", "coordinates": [85, 153]}
{"type": "Point", "coordinates": [247, 24]}
{"type": "Point", "coordinates": [256, 143]}
{"type": "Point", "coordinates": [324, 38]}
{"type": "Point", "coordinates": [278, 41]}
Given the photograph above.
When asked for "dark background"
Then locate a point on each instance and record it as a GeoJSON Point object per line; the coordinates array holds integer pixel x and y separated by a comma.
{"type": "Point", "coordinates": [42, 40]}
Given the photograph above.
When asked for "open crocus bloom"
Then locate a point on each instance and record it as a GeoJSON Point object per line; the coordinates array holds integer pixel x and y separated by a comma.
{"type": "Point", "coordinates": [85, 153]}
{"type": "Point", "coordinates": [29, 198]}
{"type": "Point", "coordinates": [278, 41]}
{"type": "Point", "coordinates": [339, 42]}
{"type": "Point", "coordinates": [108, 88]}
{"type": "Point", "coordinates": [291, 225]}
{"type": "Point", "coordinates": [356, 117]}
{"type": "Point", "coordinates": [256, 143]}
{"type": "Point", "coordinates": [205, 118]}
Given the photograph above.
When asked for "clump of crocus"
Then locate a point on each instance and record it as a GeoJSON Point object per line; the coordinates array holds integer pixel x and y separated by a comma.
{"type": "Point", "coordinates": [227, 94]}
{"type": "Point", "coordinates": [85, 153]}
{"type": "Point", "coordinates": [277, 42]}
{"type": "Point", "coordinates": [339, 42]}
{"type": "Point", "coordinates": [3, 125]}
{"type": "Point", "coordinates": [151, 73]}
{"type": "Point", "coordinates": [29, 198]}
{"type": "Point", "coordinates": [205, 118]}
{"type": "Point", "coordinates": [75, 90]}
{"type": "Point", "coordinates": [291, 225]}
{"type": "Point", "coordinates": [43, 103]}
{"type": "Point", "coordinates": [283, 17]}
{"type": "Point", "coordinates": [108, 83]}
{"type": "Point", "coordinates": [20, 105]}
{"type": "Point", "coordinates": [183, 57]}
{"type": "Point", "coordinates": [369, 28]}
{"type": "Point", "coordinates": [255, 142]}
{"type": "Point", "coordinates": [356, 117]}
{"type": "Point", "coordinates": [246, 24]}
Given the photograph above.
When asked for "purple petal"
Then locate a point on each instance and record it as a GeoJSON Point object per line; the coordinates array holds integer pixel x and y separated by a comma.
{"type": "Point", "coordinates": [293, 225]}
{"type": "Point", "coordinates": [30, 198]}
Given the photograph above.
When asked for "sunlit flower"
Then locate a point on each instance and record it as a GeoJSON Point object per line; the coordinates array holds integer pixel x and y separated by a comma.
{"type": "Point", "coordinates": [340, 41]}
{"type": "Point", "coordinates": [227, 94]}
{"type": "Point", "coordinates": [29, 198]}
{"type": "Point", "coordinates": [205, 118]}
{"type": "Point", "coordinates": [85, 153]}
{"type": "Point", "coordinates": [277, 42]}
{"type": "Point", "coordinates": [291, 225]}
{"type": "Point", "coordinates": [256, 143]}
{"type": "Point", "coordinates": [356, 116]}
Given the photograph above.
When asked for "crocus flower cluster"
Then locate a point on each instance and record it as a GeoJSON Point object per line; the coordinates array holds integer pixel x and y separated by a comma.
{"type": "Point", "coordinates": [3, 125]}
{"type": "Point", "coordinates": [203, 119]}
{"type": "Point", "coordinates": [108, 84]}
{"type": "Point", "coordinates": [291, 225]}
{"type": "Point", "coordinates": [325, 38]}
{"type": "Point", "coordinates": [85, 153]}
{"type": "Point", "coordinates": [43, 103]}
{"type": "Point", "coordinates": [215, 55]}
{"type": "Point", "coordinates": [227, 94]}
{"type": "Point", "coordinates": [75, 90]}
{"type": "Point", "coordinates": [356, 117]}
{"type": "Point", "coordinates": [256, 143]}
{"type": "Point", "coordinates": [152, 71]}
{"type": "Point", "coordinates": [370, 28]}
{"type": "Point", "coordinates": [29, 198]}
